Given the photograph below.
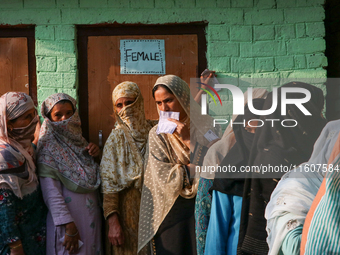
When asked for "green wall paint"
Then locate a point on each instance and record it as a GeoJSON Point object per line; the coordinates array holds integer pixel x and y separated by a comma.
{"type": "Point", "coordinates": [246, 38]}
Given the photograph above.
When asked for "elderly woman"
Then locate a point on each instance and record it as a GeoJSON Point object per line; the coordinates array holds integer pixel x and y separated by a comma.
{"type": "Point", "coordinates": [168, 198]}
{"type": "Point", "coordinates": [121, 169]}
{"type": "Point", "coordinates": [22, 209]}
{"type": "Point", "coordinates": [69, 180]}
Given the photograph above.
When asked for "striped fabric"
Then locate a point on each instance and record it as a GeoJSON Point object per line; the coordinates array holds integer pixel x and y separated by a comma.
{"type": "Point", "coordinates": [321, 232]}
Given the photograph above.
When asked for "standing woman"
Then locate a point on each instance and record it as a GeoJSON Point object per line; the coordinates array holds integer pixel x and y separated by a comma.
{"type": "Point", "coordinates": [168, 197]}
{"type": "Point", "coordinates": [121, 169]}
{"type": "Point", "coordinates": [69, 180]}
{"type": "Point", "coordinates": [277, 145]}
{"type": "Point", "coordinates": [22, 209]}
{"type": "Point", "coordinates": [214, 157]}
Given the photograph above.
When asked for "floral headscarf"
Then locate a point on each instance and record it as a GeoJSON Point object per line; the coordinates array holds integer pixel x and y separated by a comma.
{"type": "Point", "coordinates": [61, 148]}
{"type": "Point", "coordinates": [123, 155]}
{"type": "Point", "coordinates": [13, 153]}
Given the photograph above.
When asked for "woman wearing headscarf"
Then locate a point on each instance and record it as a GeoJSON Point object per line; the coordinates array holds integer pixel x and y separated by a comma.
{"type": "Point", "coordinates": [22, 209]}
{"type": "Point", "coordinates": [227, 190]}
{"type": "Point", "coordinates": [69, 180]}
{"type": "Point", "coordinates": [121, 169]}
{"type": "Point", "coordinates": [214, 157]}
{"type": "Point", "coordinates": [277, 145]}
{"type": "Point", "coordinates": [294, 194]}
{"type": "Point", "coordinates": [167, 207]}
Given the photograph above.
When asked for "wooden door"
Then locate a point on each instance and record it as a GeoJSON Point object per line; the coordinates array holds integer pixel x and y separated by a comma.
{"type": "Point", "coordinates": [103, 75]}
{"type": "Point", "coordinates": [13, 65]}
{"type": "Point", "coordinates": [17, 61]}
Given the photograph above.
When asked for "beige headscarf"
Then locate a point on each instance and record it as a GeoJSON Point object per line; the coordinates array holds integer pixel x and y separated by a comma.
{"type": "Point", "coordinates": [219, 150]}
{"type": "Point", "coordinates": [18, 142]}
{"type": "Point", "coordinates": [165, 166]}
{"type": "Point", "coordinates": [123, 155]}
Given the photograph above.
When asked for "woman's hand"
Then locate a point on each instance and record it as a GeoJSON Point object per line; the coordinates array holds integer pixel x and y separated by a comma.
{"type": "Point", "coordinates": [71, 242]}
{"type": "Point", "coordinates": [116, 235]}
{"type": "Point", "coordinates": [183, 131]}
{"type": "Point", "coordinates": [16, 248]}
{"type": "Point", "coordinates": [205, 79]}
{"type": "Point", "coordinates": [192, 170]}
{"type": "Point", "coordinates": [37, 132]}
{"type": "Point", "coordinates": [93, 149]}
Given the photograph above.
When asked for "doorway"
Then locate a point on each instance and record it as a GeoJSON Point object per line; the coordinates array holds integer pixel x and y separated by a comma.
{"type": "Point", "coordinates": [99, 68]}
{"type": "Point", "coordinates": [17, 61]}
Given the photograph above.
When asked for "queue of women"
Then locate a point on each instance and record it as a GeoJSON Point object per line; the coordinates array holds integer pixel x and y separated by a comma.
{"type": "Point", "coordinates": [152, 200]}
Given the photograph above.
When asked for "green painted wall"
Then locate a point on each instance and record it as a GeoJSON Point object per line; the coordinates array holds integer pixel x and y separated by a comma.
{"type": "Point", "coordinates": [246, 38]}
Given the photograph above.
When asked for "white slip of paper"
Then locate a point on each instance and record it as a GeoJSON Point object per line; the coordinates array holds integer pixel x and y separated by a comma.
{"type": "Point", "coordinates": [210, 136]}
{"type": "Point", "coordinates": [164, 125]}
{"type": "Point", "coordinates": [215, 81]}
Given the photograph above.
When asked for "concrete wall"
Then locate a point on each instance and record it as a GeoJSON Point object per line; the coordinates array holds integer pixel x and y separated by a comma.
{"type": "Point", "coordinates": [246, 38]}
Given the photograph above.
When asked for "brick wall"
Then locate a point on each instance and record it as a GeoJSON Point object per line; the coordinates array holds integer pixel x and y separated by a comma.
{"type": "Point", "coordinates": [246, 38]}
{"type": "Point", "coordinates": [332, 23]}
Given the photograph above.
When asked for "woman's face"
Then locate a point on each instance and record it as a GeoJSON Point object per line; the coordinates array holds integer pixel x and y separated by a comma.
{"type": "Point", "coordinates": [251, 126]}
{"type": "Point", "coordinates": [61, 111]}
{"type": "Point", "coordinates": [167, 102]}
{"type": "Point", "coordinates": [24, 120]}
{"type": "Point", "coordinates": [122, 102]}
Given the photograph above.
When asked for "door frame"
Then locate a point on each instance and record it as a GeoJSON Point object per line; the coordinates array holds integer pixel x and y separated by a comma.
{"type": "Point", "coordinates": [29, 33]}
{"type": "Point", "coordinates": [83, 32]}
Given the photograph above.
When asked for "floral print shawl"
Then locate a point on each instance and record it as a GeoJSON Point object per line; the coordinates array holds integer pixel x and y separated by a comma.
{"type": "Point", "coordinates": [61, 148]}
{"type": "Point", "coordinates": [13, 154]}
{"type": "Point", "coordinates": [124, 150]}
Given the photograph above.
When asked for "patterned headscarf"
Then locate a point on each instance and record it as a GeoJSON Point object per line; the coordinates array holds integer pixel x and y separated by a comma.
{"type": "Point", "coordinates": [123, 156]}
{"type": "Point", "coordinates": [61, 147]}
{"type": "Point", "coordinates": [199, 124]}
{"type": "Point", "coordinates": [13, 154]}
{"type": "Point", "coordinates": [164, 174]}
{"type": "Point", "coordinates": [132, 116]}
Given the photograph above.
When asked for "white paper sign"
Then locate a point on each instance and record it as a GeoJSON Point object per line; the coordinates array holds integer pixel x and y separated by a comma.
{"type": "Point", "coordinates": [142, 56]}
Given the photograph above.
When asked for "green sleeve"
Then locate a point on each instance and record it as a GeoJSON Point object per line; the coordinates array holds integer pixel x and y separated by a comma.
{"type": "Point", "coordinates": [292, 241]}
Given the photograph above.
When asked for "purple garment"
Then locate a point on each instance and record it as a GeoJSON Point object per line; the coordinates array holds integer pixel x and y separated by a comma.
{"type": "Point", "coordinates": [66, 206]}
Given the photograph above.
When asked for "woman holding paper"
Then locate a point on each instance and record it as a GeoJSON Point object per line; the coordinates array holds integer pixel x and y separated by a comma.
{"type": "Point", "coordinates": [121, 169]}
{"type": "Point", "coordinates": [169, 190]}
